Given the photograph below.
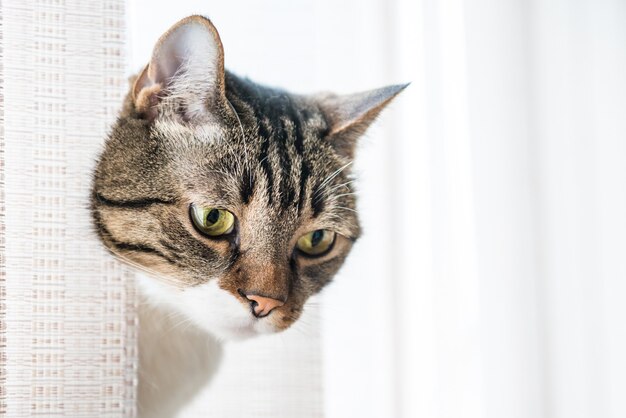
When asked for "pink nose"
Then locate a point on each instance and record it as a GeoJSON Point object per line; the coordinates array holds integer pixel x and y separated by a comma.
{"type": "Point", "coordinates": [262, 306]}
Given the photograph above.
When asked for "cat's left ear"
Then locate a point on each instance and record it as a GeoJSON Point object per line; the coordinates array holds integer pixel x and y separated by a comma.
{"type": "Point", "coordinates": [188, 63]}
{"type": "Point", "coordinates": [350, 115]}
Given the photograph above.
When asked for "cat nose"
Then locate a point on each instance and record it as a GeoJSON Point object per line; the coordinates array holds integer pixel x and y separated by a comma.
{"type": "Point", "coordinates": [262, 305]}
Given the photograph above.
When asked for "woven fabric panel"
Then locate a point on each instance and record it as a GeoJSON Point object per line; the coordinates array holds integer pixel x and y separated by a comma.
{"type": "Point", "coordinates": [68, 335]}
{"type": "Point", "coordinates": [2, 233]}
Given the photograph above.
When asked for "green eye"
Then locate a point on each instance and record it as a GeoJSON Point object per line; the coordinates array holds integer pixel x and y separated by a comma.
{"type": "Point", "coordinates": [212, 221]}
{"type": "Point", "coordinates": [316, 242]}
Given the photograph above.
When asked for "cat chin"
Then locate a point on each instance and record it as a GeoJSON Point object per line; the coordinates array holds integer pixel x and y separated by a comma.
{"type": "Point", "coordinates": [239, 334]}
{"type": "Point", "coordinates": [245, 330]}
{"type": "Point", "coordinates": [209, 307]}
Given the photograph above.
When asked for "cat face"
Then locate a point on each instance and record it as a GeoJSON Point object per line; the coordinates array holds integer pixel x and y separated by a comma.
{"type": "Point", "coordinates": [236, 197]}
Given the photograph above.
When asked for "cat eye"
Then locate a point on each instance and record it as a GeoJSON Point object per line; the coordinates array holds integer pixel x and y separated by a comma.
{"type": "Point", "coordinates": [317, 242]}
{"type": "Point", "coordinates": [212, 221]}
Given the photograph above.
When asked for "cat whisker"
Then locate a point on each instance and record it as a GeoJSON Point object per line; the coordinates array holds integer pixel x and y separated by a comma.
{"type": "Point", "coordinates": [331, 177]}
{"type": "Point", "coordinates": [305, 328]}
{"type": "Point", "coordinates": [338, 186]}
{"type": "Point", "coordinates": [346, 208]}
{"type": "Point", "coordinates": [313, 304]}
{"type": "Point", "coordinates": [182, 319]}
{"type": "Point", "coordinates": [337, 196]}
{"type": "Point", "coordinates": [189, 326]}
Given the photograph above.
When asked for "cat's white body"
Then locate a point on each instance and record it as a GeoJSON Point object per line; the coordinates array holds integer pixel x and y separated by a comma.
{"type": "Point", "coordinates": [176, 357]}
{"type": "Point", "coordinates": [180, 338]}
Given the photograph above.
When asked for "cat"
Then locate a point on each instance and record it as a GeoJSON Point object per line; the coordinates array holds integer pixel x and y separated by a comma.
{"type": "Point", "coordinates": [236, 198]}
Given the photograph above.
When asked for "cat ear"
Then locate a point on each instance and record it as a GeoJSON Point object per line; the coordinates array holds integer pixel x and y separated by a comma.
{"type": "Point", "coordinates": [350, 115]}
{"type": "Point", "coordinates": [187, 62]}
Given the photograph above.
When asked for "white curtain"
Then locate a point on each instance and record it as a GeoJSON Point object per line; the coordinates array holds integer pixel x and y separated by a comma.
{"type": "Point", "coordinates": [506, 174]}
{"type": "Point", "coordinates": [67, 340]}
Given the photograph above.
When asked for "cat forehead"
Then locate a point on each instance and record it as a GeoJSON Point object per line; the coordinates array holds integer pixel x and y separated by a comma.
{"type": "Point", "coordinates": [284, 141]}
{"type": "Point", "coordinates": [285, 165]}
{"type": "Point", "coordinates": [276, 120]}
{"type": "Point", "coordinates": [292, 175]}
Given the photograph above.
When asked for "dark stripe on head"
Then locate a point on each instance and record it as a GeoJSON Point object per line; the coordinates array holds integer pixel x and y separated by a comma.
{"type": "Point", "coordinates": [169, 246]}
{"type": "Point", "coordinates": [140, 248]}
{"type": "Point", "coordinates": [317, 201]}
{"type": "Point", "coordinates": [132, 204]}
{"type": "Point", "coordinates": [106, 236]}
{"type": "Point", "coordinates": [298, 118]}
{"type": "Point", "coordinates": [247, 186]}
{"type": "Point", "coordinates": [280, 124]}
{"type": "Point", "coordinates": [101, 230]}
{"type": "Point", "coordinates": [267, 168]}
{"type": "Point", "coordinates": [252, 95]}
{"type": "Point", "coordinates": [287, 193]}
{"type": "Point", "coordinates": [305, 173]}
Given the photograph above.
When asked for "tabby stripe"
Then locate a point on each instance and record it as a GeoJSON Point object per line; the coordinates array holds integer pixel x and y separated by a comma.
{"type": "Point", "coordinates": [140, 248]}
{"type": "Point", "coordinates": [304, 177]}
{"type": "Point", "coordinates": [317, 201]}
{"type": "Point", "coordinates": [138, 203]}
{"type": "Point", "coordinates": [297, 119]}
{"type": "Point", "coordinates": [298, 140]}
{"type": "Point", "coordinates": [107, 236]}
{"type": "Point", "coordinates": [265, 164]}
{"type": "Point", "coordinates": [272, 112]}
{"type": "Point", "coordinates": [287, 194]}
{"type": "Point", "coordinates": [247, 186]}
{"type": "Point", "coordinates": [170, 247]}
{"type": "Point", "coordinates": [102, 231]}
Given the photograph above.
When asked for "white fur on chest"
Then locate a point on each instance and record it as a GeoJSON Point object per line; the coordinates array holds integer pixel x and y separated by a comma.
{"type": "Point", "coordinates": [177, 358]}
{"type": "Point", "coordinates": [209, 307]}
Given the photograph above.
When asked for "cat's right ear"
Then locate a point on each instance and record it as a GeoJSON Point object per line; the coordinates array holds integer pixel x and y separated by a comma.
{"type": "Point", "coordinates": [350, 115]}
{"type": "Point", "coordinates": [188, 64]}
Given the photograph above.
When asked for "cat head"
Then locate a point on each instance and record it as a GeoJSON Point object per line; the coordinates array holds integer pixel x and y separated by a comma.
{"type": "Point", "coordinates": [237, 198]}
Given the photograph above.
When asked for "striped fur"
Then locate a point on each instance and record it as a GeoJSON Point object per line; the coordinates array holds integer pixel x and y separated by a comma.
{"type": "Point", "coordinates": [191, 132]}
{"type": "Point", "coordinates": [275, 172]}
{"type": "Point", "coordinates": [279, 162]}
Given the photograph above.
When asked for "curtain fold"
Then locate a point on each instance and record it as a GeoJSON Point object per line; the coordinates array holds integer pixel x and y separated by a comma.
{"type": "Point", "coordinates": [509, 157]}
{"type": "Point", "coordinates": [68, 309]}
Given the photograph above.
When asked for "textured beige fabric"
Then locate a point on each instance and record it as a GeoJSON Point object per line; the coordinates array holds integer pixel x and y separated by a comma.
{"type": "Point", "coordinates": [68, 332]}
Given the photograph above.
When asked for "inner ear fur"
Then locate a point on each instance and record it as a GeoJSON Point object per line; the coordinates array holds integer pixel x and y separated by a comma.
{"type": "Point", "coordinates": [187, 62]}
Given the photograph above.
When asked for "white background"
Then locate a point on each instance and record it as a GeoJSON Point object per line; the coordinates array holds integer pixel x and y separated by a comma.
{"type": "Point", "coordinates": [491, 278]}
